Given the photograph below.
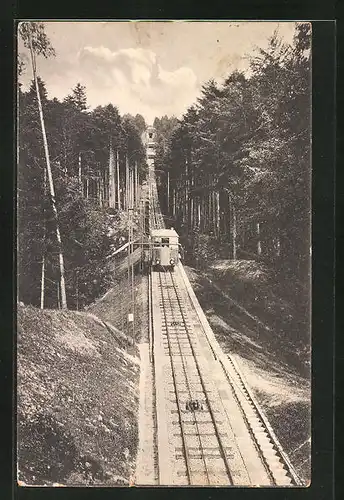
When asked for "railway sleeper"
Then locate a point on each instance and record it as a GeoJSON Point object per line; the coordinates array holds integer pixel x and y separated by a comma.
{"type": "Point", "coordinates": [194, 386]}
{"type": "Point", "coordinates": [211, 471]}
{"type": "Point", "coordinates": [177, 355]}
{"type": "Point", "coordinates": [175, 343]}
{"type": "Point", "coordinates": [184, 391]}
{"type": "Point", "coordinates": [198, 423]}
{"type": "Point", "coordinates": [204, 434]}
{"type": "Point", "coordinates": [199, 456]}
{"type": "Point", "coordinates": [203, 454]}
{"type": "Point", "coordinates": [185, 354]}
{"type": "Point", "coordinates": [192, 410]}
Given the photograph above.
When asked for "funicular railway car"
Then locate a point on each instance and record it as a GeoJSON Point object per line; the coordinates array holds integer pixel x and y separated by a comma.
{"type": "Point", "coordinates": [164, 248]}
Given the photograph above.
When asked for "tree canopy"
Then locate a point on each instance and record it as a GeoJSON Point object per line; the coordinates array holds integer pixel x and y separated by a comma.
{"type": "Point", "coordinates": [240, 156]}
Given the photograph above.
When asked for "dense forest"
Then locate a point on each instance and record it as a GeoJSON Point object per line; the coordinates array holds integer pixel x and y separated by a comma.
{"type": "Point", "coordinates": [234, 173]}
{"type": "Point", "coordinates": [90, 153]}
{"type": "Point", "coordinates": [237, 174]}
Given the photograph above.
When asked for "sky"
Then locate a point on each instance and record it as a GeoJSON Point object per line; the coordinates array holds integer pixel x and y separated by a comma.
{"type": "Point", "coordinates": [152, 68]}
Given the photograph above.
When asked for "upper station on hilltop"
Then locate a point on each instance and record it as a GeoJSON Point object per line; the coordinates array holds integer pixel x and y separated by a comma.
{"type": "Point", "coordinates": [148, 139]}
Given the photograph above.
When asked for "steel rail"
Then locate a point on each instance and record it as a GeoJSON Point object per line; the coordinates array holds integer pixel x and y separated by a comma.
{"type": "Point", "coordinates": [222, 451]}
{"type": "Point", "coordinates": [245, 393]}
{"type": "Point", "coordinates": [198, 434]}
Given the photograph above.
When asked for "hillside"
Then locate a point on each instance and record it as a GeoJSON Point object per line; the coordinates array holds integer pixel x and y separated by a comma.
{"type": "Point", "coordinates": [77, 400]}
{"type": "Point", "coordinates": [237, 299]}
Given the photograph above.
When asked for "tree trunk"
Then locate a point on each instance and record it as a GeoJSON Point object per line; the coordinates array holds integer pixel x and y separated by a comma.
{"type": "Point", "coordinates": [186, 203]}
{"type": "Point", "coordinates": [230, 223]}
{"type": "Point", "coordinates": [259, 245]}
{"type": "Point", "coordinates": [101, 190]}
{"type": "Point", "coordinates": [132, 185]}
{"type": "Point", "coordinates": [136, 186]}
{"type": "Point", "coordinates": [77, 290]}
{"type": "Point", "coordinates": [87, 186]}
{"type": "Point", "coordinates": [79, 171]}
{"type": "Point", "coordinates": [213, 203]}
{"type": "Point", "coordinates": [217, 214]}
{"type": "Point", "coordinates": [43, 253]}
{"type": "Point", "coordinates": [99, 195]}
{"type": "Point", "coordinates": [234, 215]}
{"type": "Point", "coordinates": [42, 280]}
{"type": "Point", "coordinates": [277, 243]}
{"type": "Point", "coordinates": [168, 192]}
{"type": "Point", "coordinates": [126, 181]}
{"type": "Point", "coordinates": [50, 179]}
{"type": "Point", "coordinates": [118, 184]}
{"type": "Point", "coordinates": [58, 296]}
{"type": "Point", "coordinates": [192, 213]}
{"type": "Point", "coordinates": [112, 194]}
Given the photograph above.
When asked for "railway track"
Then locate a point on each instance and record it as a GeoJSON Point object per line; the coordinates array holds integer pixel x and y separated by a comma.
{"type": "Point", "coordinates": [202, 451]}
{"type": "Point", "coordinates": [209, 430]}
{"type": "Point", "coordinates": [156, 218]}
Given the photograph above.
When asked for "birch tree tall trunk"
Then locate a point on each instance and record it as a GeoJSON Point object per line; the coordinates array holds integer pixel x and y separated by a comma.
{"type": "Point", "coordinates": [50, 179]}
{"type": "Point", "coordinates": [43, 252]}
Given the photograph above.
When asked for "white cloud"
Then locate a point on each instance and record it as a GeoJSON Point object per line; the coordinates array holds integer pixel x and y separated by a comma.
{"type": "Point", "coordinates": [182, 76]}
{"type": "Point", "coordinates": [133, 80]}
{"type": "Point", "coordinates": [152, 68]}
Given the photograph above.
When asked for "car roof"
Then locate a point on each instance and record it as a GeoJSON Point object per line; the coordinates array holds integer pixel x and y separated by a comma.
{"type": "Point", "coordinates": [164, 233]}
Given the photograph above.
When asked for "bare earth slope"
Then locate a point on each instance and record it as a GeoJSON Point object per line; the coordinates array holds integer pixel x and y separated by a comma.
{"type": "Point", "coordinates": [77, 400]}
